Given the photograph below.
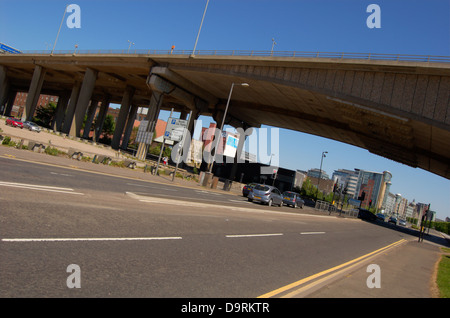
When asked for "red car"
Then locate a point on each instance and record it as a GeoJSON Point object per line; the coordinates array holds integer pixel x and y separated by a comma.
{"type": "Point", "coordinates": [14, 122]}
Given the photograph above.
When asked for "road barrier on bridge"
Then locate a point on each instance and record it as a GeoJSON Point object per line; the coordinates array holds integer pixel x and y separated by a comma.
{"type": "Point", "coordinates": [295, 54]}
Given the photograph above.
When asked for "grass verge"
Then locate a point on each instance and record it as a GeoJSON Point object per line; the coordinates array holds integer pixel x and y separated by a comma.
{"type": "Point", "coordinates": [443, 275]}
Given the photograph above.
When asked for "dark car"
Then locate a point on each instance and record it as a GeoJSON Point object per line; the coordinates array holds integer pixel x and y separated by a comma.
{"type": "Point", "coordinates": [392, 219]}
{"type": "Point", "coordinates": [266, 194]}
{"type": "Point", "coordinates": [381, 216]}
{"type": "Point", "coordinates": [14, 122]}
{"type": "Point", "coordinates": [248, 188]}
{"type": "Point", "coordinates": [309, 202]}
{"type": "Point", "coordinates": [366, 215]}
{"type": "Point", "coordinates": [292, 199]}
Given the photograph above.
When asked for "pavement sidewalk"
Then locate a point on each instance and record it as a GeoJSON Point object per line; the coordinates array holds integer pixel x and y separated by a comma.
{"type": "Point", "coordinates": [406, 271]}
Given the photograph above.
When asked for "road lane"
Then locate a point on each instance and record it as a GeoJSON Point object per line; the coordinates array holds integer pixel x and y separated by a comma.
{"type": "Point", "coordinates": [209, 260]}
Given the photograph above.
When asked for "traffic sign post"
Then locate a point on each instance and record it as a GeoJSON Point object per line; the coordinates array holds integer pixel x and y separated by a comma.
{"type": "Point", "coordinates": [163, 144]}
{"type": "Point", "coordinates": [185, 123]}
{"type": "Point", "coordinates": [175, 129]}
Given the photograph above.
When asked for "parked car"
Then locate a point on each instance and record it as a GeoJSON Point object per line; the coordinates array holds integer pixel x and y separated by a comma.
{"type": "Point", "coordinates": [31, 126]}
{"type": "Point", "coordinates": [14, 122]}
{"type": "Point", "coordinates": [392, 219]}
{"type": "Point", "coordinates": [381, 216]}
{"type": "Point", "coordinates": [366, 215]}
{"type": "Point", "coordinates": [402, 222]}
{"type": "Point", "coordinates": [248, 188]}
{"type": "Point", "coordinates": [292, 199]}
{"type": "Point", "coordinates": [266, 194]}
{"type": "Point", "coordinates": [309, 202]}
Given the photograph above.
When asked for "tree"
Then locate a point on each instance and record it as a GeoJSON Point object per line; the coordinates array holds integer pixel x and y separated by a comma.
{"type": "Point", "coordinates": [109, 125]}
{"type": "Point", "coordinates": [45, 114]}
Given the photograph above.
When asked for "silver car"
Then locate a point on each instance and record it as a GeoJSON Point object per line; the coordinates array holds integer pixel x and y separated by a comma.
{"type": "Point", "coordinates": [266, 194]}
{"type": "Point", "coordinates": [31, 126]}
{"type": "Point", "coordinates": [293, 199]}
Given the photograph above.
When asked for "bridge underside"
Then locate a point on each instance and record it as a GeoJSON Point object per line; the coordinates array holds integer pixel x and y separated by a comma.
{"type": "Point", "coordinates": [398, 110]}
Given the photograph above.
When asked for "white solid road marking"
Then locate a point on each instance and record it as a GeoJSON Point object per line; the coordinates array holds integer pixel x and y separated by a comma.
{"type": "Point", "coordinates": [84, 239]}
{"type": "Point", "coordinates": [207, 192]}
{"type": "Point", "coordinates": [61, 174]}
{"type": "Point", "coordinates": [90, 239]}
{"type": "Point", "coordinates": [253, 235]}
{"type": "Point", "coordinates": [39, 187]}
{"type": "Point", "coordinates": [240, 201]}
{"type": "Point", "coordinates": [158, 200]}
{"type": "Point", "coordinates": [307, 233]}
{"type": "Point", "coordinates": [151, 187]}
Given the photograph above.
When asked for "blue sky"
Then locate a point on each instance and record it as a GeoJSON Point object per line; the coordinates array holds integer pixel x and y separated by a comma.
{"type": "Point", "coordinates": [419, 27]}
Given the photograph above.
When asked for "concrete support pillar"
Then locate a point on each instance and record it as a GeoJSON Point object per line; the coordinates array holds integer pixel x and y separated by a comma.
{"type": "Point", "coordinates": [87, 87]}
{"type": "Point", "coordinates": [11, 97]}
{"type": "Point", "coordinates": [4, 88]}
{"type": "Point", "coordinates": [129, 128]}
{"type": "Point", "coordinates": [61, 108]}
{"type": "Point", "coordinates": [152, 118]}
{"type": "Point", "coordinates": [68, 118]}
{"type": "Point", "coordinates": [183, 115]}
{"type": "Point", "coordinates": [191, 126]}
{"type": "Point", "coordinates": [123, 115]}
{"type": "Point", "coordinates": [239, 151]}
{"type": "Point", "coordinates": [90, 118]}
{"type": "Point", "coordinates": [34, 92]}
{"type": "Point", "coordinates": [101, 118]}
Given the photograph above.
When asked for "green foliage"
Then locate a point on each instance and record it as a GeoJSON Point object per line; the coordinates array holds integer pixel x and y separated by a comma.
{"type": "Point", "coordinates": [443, 276]}
{"type": "Point", "coordinates": [109, 125]}
{"type": "Point", "coordinates": [45, 114]}
{"type": "Point", "coordinates": [308, 190]}
{"type": "Point", "coordinates": [51, 151]}
{"type": "Point", "coordinates": [8, 142]}
{"type": "Point", "coordinates": [157, 149]}
{"type": "Point", "coordinates": [120, 164]}
{"type": "Point", "coordinates": [443, 227]}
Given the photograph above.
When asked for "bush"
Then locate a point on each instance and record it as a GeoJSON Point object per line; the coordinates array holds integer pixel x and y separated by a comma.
{"type": "Point", "coordinates": [51, 151]}
{"type": "Point", "coordinates": [443, 227]}
{"type": "Point", "coordinates": [120, 164]}
{"type": "Point", "coordinates": [8, 142]}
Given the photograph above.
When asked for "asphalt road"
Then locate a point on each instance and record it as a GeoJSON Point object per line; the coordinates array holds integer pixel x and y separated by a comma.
{"type": "Point", "coordinates": [132, 238]}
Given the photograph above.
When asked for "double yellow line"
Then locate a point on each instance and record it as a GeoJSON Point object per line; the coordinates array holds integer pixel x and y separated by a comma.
{"type": "Point", "coordinates": [297, 287]}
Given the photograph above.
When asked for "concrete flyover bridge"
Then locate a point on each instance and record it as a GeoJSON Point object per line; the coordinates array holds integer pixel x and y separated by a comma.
{"type": "Point", "coordinates": [396, 106]}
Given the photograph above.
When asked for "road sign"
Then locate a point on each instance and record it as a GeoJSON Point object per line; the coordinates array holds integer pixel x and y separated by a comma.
{"type": "Point", "coordinates": [175, 129]}
{"type": "Point", "coordinates": [231, 146]}
{"type": "Point", "coordinates": [8, 49]}
{"type": "Point", "coordinates": [143, 135]}
{"type": "Point", "coordinates": [354, 202]}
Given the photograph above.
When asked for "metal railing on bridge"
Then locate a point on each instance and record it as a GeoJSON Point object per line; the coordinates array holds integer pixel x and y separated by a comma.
{"type": "Point", "coordinates": [294, 54]}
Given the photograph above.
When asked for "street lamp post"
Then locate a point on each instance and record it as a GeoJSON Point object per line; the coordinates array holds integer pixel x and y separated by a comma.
{"type": "Point", "coordinates": [223, 121]}
{"type": "Point", "coordinates": [273, 44]}
{"type": "Point", "coordinates": [320, 171]}
{"type": "Point", "coordinates": [129, 46]}
{"type": "Point", "coordinates": [200, 28]}
{"type": "Point", "coordinates": [59, 30]}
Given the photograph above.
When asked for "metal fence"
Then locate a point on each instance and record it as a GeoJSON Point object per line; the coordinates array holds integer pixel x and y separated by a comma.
{"type": "Point", "coordinates": [293, 54]}
{"type": "Point", "coordinates": [326, 206]}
